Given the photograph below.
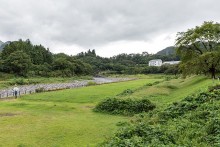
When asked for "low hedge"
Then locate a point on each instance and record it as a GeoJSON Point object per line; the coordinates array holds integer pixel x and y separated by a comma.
{"type": "Point", "coordinates": [124, 106]}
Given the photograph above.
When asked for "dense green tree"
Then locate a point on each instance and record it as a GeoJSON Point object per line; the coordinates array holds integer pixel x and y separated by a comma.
{"type": "Point", "coordinates": [18, 62]}
{"type": "Point", "coordinates": [40, 55]}
{"type": "Point", "coordinates": [20, 45]}
{"type": "Point", "coordinates": [172, 69]}
{"type": "Point", "coordinates": [199, 49]}
{"type": "Point", "coordinates": [151, 70]}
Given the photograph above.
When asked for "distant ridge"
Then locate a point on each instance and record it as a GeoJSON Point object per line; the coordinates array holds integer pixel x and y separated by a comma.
{"type": "Point", "coordinates": [167, 51]}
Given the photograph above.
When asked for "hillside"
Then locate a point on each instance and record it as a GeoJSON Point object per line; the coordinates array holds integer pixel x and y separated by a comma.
{"type": "Point", "coordinates": [167, 51]}
{"type": "Point", "coordinates": [186, 115]}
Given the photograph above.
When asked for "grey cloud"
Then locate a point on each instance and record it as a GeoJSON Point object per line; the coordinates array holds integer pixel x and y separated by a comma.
{"type": "Point", "coordinates": [96, 22]}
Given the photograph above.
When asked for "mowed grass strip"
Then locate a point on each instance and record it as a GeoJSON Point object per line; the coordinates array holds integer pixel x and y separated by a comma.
{"type": "Point", "coordinates": [61, 118]}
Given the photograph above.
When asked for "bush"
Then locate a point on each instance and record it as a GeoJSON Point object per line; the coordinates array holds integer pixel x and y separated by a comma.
{"type": "Point", "coordinates": [90, 83]}
{"type": "Point", "coordinates": [212, 88]}
{"type": "Point", "coordinates": [23, 81]}
{"type": "Point", "coordinates": [139, 135]}
{"type": "Point", "coordinates": [39, 90]}
{"type": "Point", "coordinates": [151, 84]}
{"type": "Point", "coordinates": [18, 81]}
{"type": "Point", "coordinates": [213, 132]}
{"type": "Point", "coordinates": [171, 87]}
{"type": "Point", "coordinates": [126, 92]}
{"type": "Point", "coordinates": [124, 107]}
{"type": "Point", "coordinates": [190, 103]}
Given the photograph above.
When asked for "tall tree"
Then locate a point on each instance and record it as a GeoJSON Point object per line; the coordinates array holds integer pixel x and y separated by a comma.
{"type": "Point", "coordinates": [18, 62]}
{"type": "Point", "coordinates": [199, 49]}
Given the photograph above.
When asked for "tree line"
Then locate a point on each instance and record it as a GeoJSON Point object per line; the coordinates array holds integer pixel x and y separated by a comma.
{"type": "Point", "coordinates": [22, 58]}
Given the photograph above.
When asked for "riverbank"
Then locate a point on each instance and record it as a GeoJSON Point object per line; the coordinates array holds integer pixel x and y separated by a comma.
{"type": "Point", "coordinates": [33, 88]}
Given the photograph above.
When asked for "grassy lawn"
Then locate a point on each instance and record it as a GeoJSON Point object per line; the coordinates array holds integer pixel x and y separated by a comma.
{"type": "Point", "coordinates": [61, 118]}
{"type": "Point", "coordinates": [65, 118]}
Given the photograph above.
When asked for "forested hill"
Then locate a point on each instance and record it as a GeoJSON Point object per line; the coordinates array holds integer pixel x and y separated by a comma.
{"type": "Point", "coordinates": [22, 58]}
{"type": "Point", "coordinates": [167, 51]}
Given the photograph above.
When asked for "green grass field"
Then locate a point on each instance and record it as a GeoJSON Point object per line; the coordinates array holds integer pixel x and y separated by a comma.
{"type": "Point", "coordinates": [65, 118]}
{"type": "Point", "coordinates": [61, 118]}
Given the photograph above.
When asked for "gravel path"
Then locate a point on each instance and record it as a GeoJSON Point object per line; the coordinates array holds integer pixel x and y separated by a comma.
{"type": "Point", "coordinates": [28, 89]}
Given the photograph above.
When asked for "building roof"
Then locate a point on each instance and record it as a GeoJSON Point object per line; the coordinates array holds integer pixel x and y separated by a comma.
{"type": "Point", "coordinates": [171, 62]}
{"type": "Point", "coordinates": [156, 60]}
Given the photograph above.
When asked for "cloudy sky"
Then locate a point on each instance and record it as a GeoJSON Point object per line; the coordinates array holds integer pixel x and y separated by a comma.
{"type": "Point", "coordinates": [108, 26]}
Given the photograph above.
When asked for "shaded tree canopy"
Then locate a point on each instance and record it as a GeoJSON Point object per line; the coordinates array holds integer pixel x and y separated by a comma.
{"type": "Point", "coordinates": [17, 62]}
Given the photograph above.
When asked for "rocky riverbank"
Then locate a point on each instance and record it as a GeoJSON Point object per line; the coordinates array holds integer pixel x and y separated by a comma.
{"type": "Point", "coordinates": [28, 89]}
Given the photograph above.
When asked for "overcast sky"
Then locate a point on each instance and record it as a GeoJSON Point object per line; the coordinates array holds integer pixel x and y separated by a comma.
{"type": "Point", "coordinates": [110, 27]}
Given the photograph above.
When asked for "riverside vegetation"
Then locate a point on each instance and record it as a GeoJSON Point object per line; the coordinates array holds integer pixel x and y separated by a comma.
{"type": "Point", "coordinates": [67, 117]}
{"type": "Point", "coordinates": [193, 121]}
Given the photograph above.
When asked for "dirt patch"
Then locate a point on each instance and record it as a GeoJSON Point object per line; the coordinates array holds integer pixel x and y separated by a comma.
{"type": "Point", "coordinates": [7, 114]}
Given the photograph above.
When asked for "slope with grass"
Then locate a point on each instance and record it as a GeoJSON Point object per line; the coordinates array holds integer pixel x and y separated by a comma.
{"type": "Point", "coordinates": [169, 91]}
{"type": "Point", "coordinates": [66, 118]}
{"type": "Point", "coordinates": [191, 122]}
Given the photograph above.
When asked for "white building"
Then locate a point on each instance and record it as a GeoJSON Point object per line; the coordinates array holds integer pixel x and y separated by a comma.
{"type": "Point", "coordinates": [171, 62]}
{"type": "Point", "coordinates": [155, 62]}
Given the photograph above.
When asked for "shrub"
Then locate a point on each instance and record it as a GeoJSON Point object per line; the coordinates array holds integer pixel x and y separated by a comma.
{"type": "Point", "coordinates": [126, 92]}
{"type": "Point", "coordinates": [151, 84]}
{"type": "Point", "coordinates": [171, 87]}
{"type": "Point", "coordinates": [177, 109]}
{"type": "Point", "coordinates": [124, 107]}
{"type": "Point", "coordinates": [19, 81]}
{"type": "Point", "coordinates": [39, 90]}
{"type": "Point", "coordinates": [190, 103]}
{"type": "Point", "coordinates": [213, 132]}
{"type": "Point", "coordinates": [212, 88]}
{"type": "Point", "coordinates": [90, 83]}
{"type": "Point", "coordinates": [138, 136]}
{"type": "Point", "coordinates": [157, 82]}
